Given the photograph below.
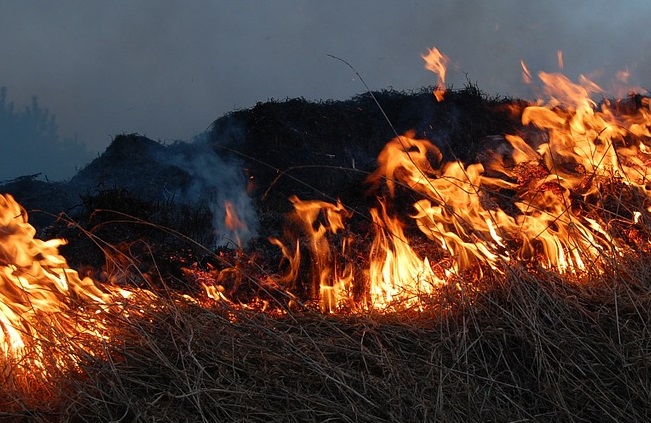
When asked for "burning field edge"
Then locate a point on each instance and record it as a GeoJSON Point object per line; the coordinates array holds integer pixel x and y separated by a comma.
{"type": "Point", "coordinates": [489, 262]}
{"type": "Point", "coordinates": [523, 347]}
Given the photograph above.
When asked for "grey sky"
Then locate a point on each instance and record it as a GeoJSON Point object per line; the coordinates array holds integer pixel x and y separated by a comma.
{"type": "Point", "coordinates": [167, 69]}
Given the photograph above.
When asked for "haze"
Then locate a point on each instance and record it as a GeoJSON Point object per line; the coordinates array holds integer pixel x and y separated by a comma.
{"type": "Point", "coordinates": [167, 69]}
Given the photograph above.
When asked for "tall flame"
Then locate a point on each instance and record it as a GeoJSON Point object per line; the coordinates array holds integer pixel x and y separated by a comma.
{"type": "Point", "coordinates": [318, 220]}
{"type": "Point", "coordinates": [397, 274]}
{"type": "Point", "coordinates": [38, 289]}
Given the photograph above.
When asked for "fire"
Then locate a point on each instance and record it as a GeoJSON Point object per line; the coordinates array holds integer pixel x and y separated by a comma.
{"type": "Point", "coordinates": [40, 296]}
{"type": "Point", "coordinates": [397, 273]}
{"type": "Point", "coordinates": [320, 220]}
{"type": "Point", "coordinates": [538, 200]}
{"type": "Point", "coordinates": [437, 62]}
{"type": "Point", "coordinates": [535, 200]}
{"type": "Point", "coordinates": [233, 222]}
{"type": "Point", "coordinates": [559, 56]}
{"type": "Point", "coordinates": [526, 74]}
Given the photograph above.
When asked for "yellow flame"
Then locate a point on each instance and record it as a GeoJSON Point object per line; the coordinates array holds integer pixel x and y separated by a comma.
{"type": "Point", "coordinates": [460, 207]}
{"type": "Point", "coordinates": [526, 74]}
{"type": "Point", "coordinates": [38, 290]}
{"type": "Point", "coordinates": [396, 273]}
{"type": "Point", "coordinates": [318, 220]}
{"type": "Point", "coordinates": [437, 62]}
{"type": "Point", "coordinates": [559, 56]}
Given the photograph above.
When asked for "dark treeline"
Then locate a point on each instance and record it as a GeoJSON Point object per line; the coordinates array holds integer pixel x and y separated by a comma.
{"type": "Point", "coordinates": [31, 143]}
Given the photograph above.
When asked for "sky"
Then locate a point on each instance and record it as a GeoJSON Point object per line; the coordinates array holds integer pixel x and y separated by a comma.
{"type": "Point", "coordinates": [167, 69]}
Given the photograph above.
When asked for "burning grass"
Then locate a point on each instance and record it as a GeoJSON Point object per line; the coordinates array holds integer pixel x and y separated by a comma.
{"type": "Point", "coordinates": [511, 284]}
{"type": "Point", "coordinates": [526, 347]}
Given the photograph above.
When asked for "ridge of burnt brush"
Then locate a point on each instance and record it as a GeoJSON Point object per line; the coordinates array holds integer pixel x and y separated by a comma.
{"type": "Point", "coordinates": [134, 162]}
{"type": "Point", "coordinates": [325, 149]}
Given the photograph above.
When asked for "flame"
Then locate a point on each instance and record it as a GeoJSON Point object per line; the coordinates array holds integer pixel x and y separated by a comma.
{"type": "Point", "coordinates": [451, 212]}
{"type": "Point", "coordinates": [39, 293]}
{"type": "Point", "coordinates": [559, 56]}
{"type": "Point", "coordinates": [233, 222]}
{"type": "Point", "coordinates": [397, 274]}
{"type": "Point", "coordinates": [458, 210]}
{"type": "Point", "coordinates": [231, 219]}
{"type": "Point", "coordinates": [318, 220]}
{"type": "Point", "coordinates": [526, 74]}
{"type": "Point", "coordinates": [536, 200]}
{"type": "Point", "coordinates": [437, 62]}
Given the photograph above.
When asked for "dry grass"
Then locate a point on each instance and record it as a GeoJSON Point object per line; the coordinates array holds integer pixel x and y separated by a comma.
{"type": "Point", "coordinates": [528, 347]}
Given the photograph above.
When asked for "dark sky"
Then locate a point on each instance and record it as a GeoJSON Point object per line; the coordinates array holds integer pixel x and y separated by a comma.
{"type": "Point", "coordinates": [167, 69]}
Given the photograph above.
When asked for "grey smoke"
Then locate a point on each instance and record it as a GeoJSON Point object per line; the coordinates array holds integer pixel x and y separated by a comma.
{"type": "Point", "coordinates": [214, 182]}
{"type": "Point", "coordinates": [167, 69]}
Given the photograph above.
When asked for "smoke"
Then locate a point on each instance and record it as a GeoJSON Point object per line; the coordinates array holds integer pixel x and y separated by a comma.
{"type": "Point", "coordinates": [216, 182]}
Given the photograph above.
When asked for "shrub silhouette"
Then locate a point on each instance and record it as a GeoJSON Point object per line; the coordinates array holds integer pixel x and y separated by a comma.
{"type": "Point", "coordinates": [31, 144]}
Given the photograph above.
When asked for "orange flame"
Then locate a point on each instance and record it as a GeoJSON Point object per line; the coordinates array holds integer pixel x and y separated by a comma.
{"type": "Point", "coordinates": [397, 274]}
{"type": "Point", "coordinates": [534, 200]}
{"type": "Point", "coordinates": [437, 62]}
{"type": "Point", "coordinates": [526, 74]}
{"type": "Point", "coordinates": [553, 182]}
{"type": "Point", "coordinates": [318, 220]}
{"type": "Point", "coordinates": [559, 56]}
{"type": "Point", "coordinates": [37, 288]}
{"type": "Point", "coordinates": [233, 222]}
